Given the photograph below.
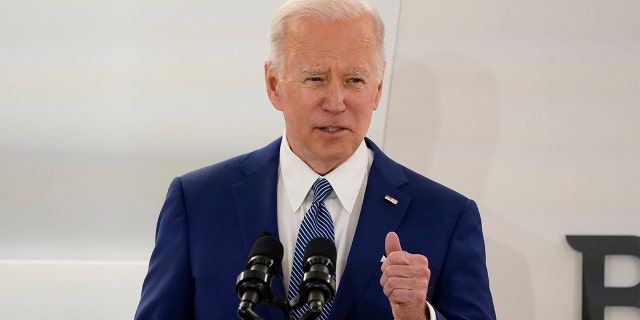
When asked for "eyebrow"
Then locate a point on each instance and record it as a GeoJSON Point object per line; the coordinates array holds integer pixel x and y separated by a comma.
{"type": "Point", "coordinates": [312, 72]}
{"type": "Point", "coordinates": [315, 72]}
{"type": "Point", "coordinates": [359, 73]}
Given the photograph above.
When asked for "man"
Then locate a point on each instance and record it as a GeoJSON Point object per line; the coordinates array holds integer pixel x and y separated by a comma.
{"type": "Point", "coordinates": [325, 75]}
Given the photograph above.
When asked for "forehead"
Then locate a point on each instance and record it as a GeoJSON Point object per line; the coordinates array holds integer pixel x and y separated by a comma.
{"type": "Point", "coordinates": [346, 42]}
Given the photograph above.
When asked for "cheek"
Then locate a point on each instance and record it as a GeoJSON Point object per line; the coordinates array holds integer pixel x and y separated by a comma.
{"type": "Point", "coordinates": [366, 96]}
{"type": "Point", "coordinates": [299, 98]}
{"type": "Point", "coordinates": [363, 105]}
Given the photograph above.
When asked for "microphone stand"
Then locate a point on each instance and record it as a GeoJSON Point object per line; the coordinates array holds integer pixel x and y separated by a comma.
{"type": "Point", "coordinates": [246, 312]}
{"type": "Point", "coordinates": [314, 311]}
{"type": "Point", "coordinates": [316, 304]}
{"type": "Point", "coordinates": [318, 284]}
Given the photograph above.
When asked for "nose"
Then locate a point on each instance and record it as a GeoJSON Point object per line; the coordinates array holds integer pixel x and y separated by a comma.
{"type": "Point", "coordinates": [335, 98]}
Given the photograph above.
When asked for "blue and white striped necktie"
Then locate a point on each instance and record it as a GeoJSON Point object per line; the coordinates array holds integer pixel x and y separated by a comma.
{"type": "Point", "coordinates": [317, 222]}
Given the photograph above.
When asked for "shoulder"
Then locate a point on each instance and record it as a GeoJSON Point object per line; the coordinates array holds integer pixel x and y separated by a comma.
{"type": "Point", "coordinates": [418, 186]}
{"type": "Point", "coordinates": [428, 186]}
{"type": "Point", "coordinates": [235, 168]}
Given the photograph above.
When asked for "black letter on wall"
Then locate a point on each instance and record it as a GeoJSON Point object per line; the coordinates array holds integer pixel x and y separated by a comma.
{"type": "Point", "coordinates": [595, 296]}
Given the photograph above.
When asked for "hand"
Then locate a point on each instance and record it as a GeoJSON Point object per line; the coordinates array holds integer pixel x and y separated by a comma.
{"type": "Point", "coordinates": [405, 278]}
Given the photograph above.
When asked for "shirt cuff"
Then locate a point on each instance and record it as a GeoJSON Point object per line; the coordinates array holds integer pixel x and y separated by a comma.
{"type": "Point", "coordinates": [432, 313]}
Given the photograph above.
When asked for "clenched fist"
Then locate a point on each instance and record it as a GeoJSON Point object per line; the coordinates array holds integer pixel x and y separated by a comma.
{"type": "Point", "coordinates": [405, 279]}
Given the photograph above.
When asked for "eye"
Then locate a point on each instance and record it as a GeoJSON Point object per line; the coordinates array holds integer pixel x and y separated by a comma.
{"type": "Point", "coordinates": [356, 80]}
{"type": "Point", "coordinates": [314, 79]}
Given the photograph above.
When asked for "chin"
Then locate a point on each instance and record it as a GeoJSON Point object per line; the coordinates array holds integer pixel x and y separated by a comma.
{"type": "Point", "coordinates": [338, 155]}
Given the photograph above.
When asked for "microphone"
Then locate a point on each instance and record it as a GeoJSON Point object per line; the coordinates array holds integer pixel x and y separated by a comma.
{"type": "Point", "coordinates": [318, 283]}
{"type": "Point", "coordinates": [254, 284]}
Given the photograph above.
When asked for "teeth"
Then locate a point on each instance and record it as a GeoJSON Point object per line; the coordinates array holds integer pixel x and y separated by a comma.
{"type": "Point", "coordinates": [331, 129]}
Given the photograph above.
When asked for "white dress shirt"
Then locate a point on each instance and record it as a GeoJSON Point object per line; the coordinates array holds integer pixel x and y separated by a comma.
{"type": "Point", "coordinates": [295, 179]}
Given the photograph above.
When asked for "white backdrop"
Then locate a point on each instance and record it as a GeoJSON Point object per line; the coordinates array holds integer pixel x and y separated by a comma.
{"type": "Point", "coordinates": [101, 105]}
{"type": "Point", "coordinates": [533, 109]}
{"type": "Point", "coordinates": [530, 108]}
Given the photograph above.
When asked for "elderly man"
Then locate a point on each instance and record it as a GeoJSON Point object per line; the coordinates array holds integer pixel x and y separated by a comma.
{"type": "Point", "coordinates": [325, 75]}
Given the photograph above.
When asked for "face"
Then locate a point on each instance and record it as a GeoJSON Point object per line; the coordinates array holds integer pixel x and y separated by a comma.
{"type": "Point", "coordinates": [328, 89]}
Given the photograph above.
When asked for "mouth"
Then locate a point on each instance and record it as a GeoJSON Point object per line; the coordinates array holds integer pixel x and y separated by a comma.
{"type": "Point", "coordinates": [331, 129]}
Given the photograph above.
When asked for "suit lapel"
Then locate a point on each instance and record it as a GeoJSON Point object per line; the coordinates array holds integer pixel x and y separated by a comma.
{"type": "Point", "coordinates": [255, 199]}
{"type": "Point", "coordinates": [377, 217]}
{"type": "Point", "coordinates": [255, 195]}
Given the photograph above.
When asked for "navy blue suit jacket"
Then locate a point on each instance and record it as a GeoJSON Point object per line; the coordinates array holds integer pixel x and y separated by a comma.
{"type": "Point", "coordinates": [211, 218]}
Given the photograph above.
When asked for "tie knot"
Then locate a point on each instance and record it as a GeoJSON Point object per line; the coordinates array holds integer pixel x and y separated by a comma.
{"type": "Point", "coordinates": [321, 189]}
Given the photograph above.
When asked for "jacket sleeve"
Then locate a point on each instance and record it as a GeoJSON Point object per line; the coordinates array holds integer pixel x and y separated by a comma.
{"type": "Point", "coordinates": [463, 290]}
{"type": "Point", "coordinates": [168, 289]}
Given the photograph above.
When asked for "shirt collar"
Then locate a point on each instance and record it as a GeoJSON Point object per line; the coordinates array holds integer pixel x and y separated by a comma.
{"type": "Point", "coordinates": [298, 177]}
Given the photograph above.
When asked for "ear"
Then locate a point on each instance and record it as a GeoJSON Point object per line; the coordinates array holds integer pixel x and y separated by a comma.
{"type": "Point", "coordinates": [380, 85]}
{"type": "Point", "coordinates": [378, 95]}
{"type": "Point", "coordinates": [272, 82]}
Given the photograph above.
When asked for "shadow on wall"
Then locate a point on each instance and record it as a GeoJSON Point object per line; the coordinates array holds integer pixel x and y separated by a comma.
{"type": "Point", "coordinates": [412, 118]}
{"type": "Point", "coordinates": [444, 117]}
{"type": "Point", "coordinates": [509, 272]}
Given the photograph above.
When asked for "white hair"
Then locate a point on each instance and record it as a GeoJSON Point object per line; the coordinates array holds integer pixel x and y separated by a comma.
{"type": "Point", "coordinates": [323, 10]}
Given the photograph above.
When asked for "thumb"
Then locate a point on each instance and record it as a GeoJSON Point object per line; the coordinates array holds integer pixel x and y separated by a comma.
{"type": "Point", "coordinates": [392, 243]}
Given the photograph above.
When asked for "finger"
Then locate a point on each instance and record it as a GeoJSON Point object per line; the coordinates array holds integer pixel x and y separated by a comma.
{"type": "Point", "coordinates": [407, 271]}
{"type": "Point", "coordinates": [405, 290]}
{"type": "Point", "coordinates": [392, 243]}
{"type": "Point", "coordinates": [402, 258]}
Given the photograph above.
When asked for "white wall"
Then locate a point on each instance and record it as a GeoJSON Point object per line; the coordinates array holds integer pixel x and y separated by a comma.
{"type": "Point", "coordinates": [533, 109]}
{"type": "Point", "coordinates": [101, 104]}
{"type": "Point", "coordinates": [530, 108]}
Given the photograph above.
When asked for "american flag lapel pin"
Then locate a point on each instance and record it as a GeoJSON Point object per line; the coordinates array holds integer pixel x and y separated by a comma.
{"type": "Point", "coordinates": [391, 199]}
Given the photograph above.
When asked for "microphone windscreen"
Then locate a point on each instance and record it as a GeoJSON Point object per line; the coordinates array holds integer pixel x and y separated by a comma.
{"type": "Point", "coordinates": [268, 246]}
{"type": "Point", "coordinates": [321, 247]}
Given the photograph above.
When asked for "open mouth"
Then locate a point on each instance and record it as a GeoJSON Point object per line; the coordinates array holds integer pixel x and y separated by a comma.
{"type": "Point", "coordinates": [331, 129]}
